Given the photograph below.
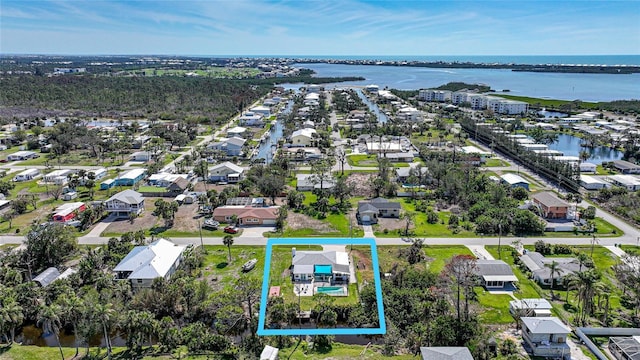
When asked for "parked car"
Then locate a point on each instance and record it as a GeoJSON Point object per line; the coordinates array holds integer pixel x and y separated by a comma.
{"type": "Point", "coordinates": [231, 229]}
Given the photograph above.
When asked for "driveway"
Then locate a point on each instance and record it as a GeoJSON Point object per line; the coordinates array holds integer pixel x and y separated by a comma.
{"type": "Point", "coordinates": [255, 231]}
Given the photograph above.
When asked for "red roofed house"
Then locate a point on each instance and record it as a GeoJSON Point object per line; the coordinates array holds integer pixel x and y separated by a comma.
{"type": "Point", "coordinates": [67, 212]}
{"type": "Point", "coordinates": [247, 215]}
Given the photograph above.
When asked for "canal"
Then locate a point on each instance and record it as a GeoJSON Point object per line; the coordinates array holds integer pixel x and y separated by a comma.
{"type": "Point", "coordinates": [275, 133]}
{"type": "Point", "coordinates": [382, 118]}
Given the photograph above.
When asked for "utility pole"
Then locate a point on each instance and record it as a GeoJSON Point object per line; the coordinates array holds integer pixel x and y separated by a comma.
{"type": "Point", "coordinates": [499, 240]}
{"type": "Point", "coordinates": [201, 242]}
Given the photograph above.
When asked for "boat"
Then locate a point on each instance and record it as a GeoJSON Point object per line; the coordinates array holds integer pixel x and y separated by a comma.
{"type": "Point", "coordinates": [249, 265]}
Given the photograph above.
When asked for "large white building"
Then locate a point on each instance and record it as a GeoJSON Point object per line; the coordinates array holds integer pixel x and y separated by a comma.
{"type": "Point", "coordinates": [434, 95]}
{"type": "Point", "coordinates": [481, 101]}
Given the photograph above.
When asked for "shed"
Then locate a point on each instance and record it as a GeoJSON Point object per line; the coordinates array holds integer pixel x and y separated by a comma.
{"type": "Point", "coordinates": [46, 277]}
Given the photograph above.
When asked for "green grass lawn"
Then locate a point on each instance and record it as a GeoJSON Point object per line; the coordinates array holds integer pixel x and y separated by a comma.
{"type": "Point", "coordinates": [217, 265]}
{"type": "Point", "coordinates": [547, 103]}
{"type": "Point", "coordinates": [495, 163]}
{"type": "Point", "coordinates": [152, 189]}
{"type": "Point", "coordinates": [362, 160]}
{"type": "Point", "coordinates": [631, 249]}
{"type": "Point", "coordinates": [496, 307]}
{"type": "Point", "coordinates": [526, 287]}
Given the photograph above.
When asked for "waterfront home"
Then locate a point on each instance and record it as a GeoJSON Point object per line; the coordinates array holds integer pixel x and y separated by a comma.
{"type": "Point", "coordinates": [530, 308]}
{"type": "Point", "coordinates": [232, 146]}
{"type": "Point", "coordinates": [226, 172]}
{"type": "Point", "coordinates": [445, 353]}
{"type": "Point", "coordinates": [143, 264]}
{"type": "Point", "coordinates": [130, 178]}
{"type": "Point", "coordinates": [494, 274]}
{"type": "Point", "coordinates": [68, 212]}
{"type": "Point", "coordinates": [370, 211]}
{"type": "Point", "coordinates": [536, 263]}
{"type": "Point", "coordinates": [250, 118]}
{"type": "Point", "coordinates": [588, 167]}
{"type": "Point", "coordinates": [303, 137]}
{"type": "Point", "coordinates": [551, 206]}
{"type": "Point", "coordinates": [514, 181]}
{"type": "Point", "coordinates": [626, 167]}
{"type": "Point", "coordinates": [237, 131]}
{"type": "Point", "coordinates": [22, 155]}
{"type": "Point", "coordinates": [125, 203]}
{"type": "Point", "coordinates": [262, 110]}
{"type": "Point", "coordinates": [247, 215]}
{"type": "Point", "coordinates": [628, 182]}
{"type": "Point", "coordinates": [592, 183]}
{"type": "Point", "coordinates": [320, 266]}
{"type": "Point", "coordinates": [27, 175]}
{"type": "Point", "coordinates": [545, 336]}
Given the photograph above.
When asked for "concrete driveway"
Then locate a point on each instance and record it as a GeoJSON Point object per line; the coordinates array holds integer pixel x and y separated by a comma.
{"type": "Point", "coordinates": [255, 231]}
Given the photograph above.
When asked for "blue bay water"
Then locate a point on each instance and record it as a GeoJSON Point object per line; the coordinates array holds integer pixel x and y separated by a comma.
{"type": "Point", "coordinates": [565, 86]}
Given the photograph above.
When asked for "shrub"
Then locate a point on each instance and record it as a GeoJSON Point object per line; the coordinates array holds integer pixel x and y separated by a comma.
{"type": "Point", "coordinates": [561, 249]}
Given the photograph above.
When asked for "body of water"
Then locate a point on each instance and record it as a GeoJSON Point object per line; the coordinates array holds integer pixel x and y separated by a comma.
{"type": "Point", "coordinates": [382, 118]}
{"type": "Point", "coordinates": [566, 86]}
{"type": "Point", "coordinates": [265, 148]}
{"type": "Point", "coordinates": [570, 146]}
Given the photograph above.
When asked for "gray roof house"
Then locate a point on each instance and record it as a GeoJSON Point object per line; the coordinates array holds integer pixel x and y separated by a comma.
{"type": "Point", "coordinates": [320, 266]}
{"type": "Point", "coordinates": [370, 211]}
{"type": "Point", "coordinates": [545, 336]}
{"type": "Point", "coordinates": [232, 146]}
{"type": "Point", "coordinates": [47, 277]}
{"type": "Point", "coordinates": [161, 258]}
{"type": "Point", "coordinates": [309, 182]}
{"type": "Point", "coordinates": [494, 274]}
{"type": "Point", "coordinates": [445, 353]}
{"type": "Point", "coordinates": [226, 172]}
{"type": "Point", "coordinates": [536, 263]}
{"type": "Point", "coordinates": [125, 203]}
{"type": "Point", "coordinates": [403, 173]}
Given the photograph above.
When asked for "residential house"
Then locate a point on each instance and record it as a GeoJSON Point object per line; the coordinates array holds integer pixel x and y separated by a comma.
{"type": "Point", "coordinates": [538, 265]}
{"type": "Point", "coordinates": [626, 167]}
{"type": "Point", "coordinates": [551, 206]}
{"type": "Point", "coordinates": [247, 215]}
{"type": "Point", "coordinates": [309, 182]}
{"type": "Point", "coordinates": [130, 178]}
{"type": "Point", "coordinates": [514, 180]}
{"type": "Point", "coordinates": [142, 156]}
{"type": "Point", "coordinates": [320, 266]}
{"type": "Point", "coordinates": [68, 212]}
{"type": "Point", "coordinates": [178, 186]}
{"type": "Point", "coordinates": [143, 264]}
{"type": "Point", "coordinates": [69, 195]}
{"type": "Point", "coordinates": [27, 175]}
{"type": "Point", "coordinates": [530, 308]}
{"type": "Point", "coordinates": [398, 157]}
{"type": "Point", "coordinates": [226, 172]}
{"type": "Point", "coordinates": [96, 173]}
{"type": "Point", "coordinates": [232, 146]}
{"type": "Point", "coordinates": [262, 110]}
{"type": "Point", "coordinates": [404, 173]}
{"type": "Point", "coordinates": [22, 155]}
{"type": "Point", "coordinates": [588, 167]}
{"type": "Point", "coordinates": [58, 177]}
{"type": "Point", "coordinates": [237, 131]}
{"type": "Point", "coordinates": [125, 203]}
{"type": "Point", "coordinates": [164, 179]}
{"type": "Point", "coordinates": [546, 336]}
{"type": "Point", "coordinates": [52, 274]}
{"type": "Point", "coordinates": [376, 147]}
{"type": "Point", "coordinates": [107, 184]}
{"type": "Point", "coordinates": [251, 118]}
{"type": "Point", "coordinates": [303, 137]}
{"type": "Point", "coordinates": [628, 182]}
{"type": "Point", "coordinates": [370, 211]}
{"type": "Point", "coordinates": [592, 183]}
{"type": "Point", "coordinates": [494, 274]}
{"type": "Point", "coordinates": [445, 353]}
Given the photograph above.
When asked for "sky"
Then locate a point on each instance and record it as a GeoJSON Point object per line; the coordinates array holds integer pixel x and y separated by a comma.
{"type": "Point", "coordinates": [322, 27]}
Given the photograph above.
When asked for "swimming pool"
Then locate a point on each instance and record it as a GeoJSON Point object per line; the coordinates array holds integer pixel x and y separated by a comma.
{"type": "Point", "coordinates": [332, 290]}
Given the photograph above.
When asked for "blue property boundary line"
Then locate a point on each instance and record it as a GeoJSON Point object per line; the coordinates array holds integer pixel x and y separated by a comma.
{"type": "Point", "coordinates": [321, 241]}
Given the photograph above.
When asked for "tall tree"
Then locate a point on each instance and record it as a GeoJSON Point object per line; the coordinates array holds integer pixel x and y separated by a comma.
{"type": "Point", "coordinates": [227, 240]}
{"type": "Point", "coordinates": [49, 320]}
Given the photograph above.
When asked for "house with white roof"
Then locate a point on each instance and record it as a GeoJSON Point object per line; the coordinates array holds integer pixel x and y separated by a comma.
{"type": "Point", "coordinates": [237, 131]}
{"type": "Point", "coordinates": [68, 212]}
{"type": "Point", "coordinates": [125, 203]}
{"type": "Point", "coordinates": [593, 183]}
{"type": "Point", "coordinates": [546, 336]}
{"type": "Point", "coordinates": [143, 264]}
{"type": "Point", "coordinates": [320, 266]}
{"type": "Point", "coordinates": [226, 172]}
{"type": "Point", "coordinates": [262, 110]}
{"type": "Point", "coordinates": [58, 177]}
{"type": "Point", "coordinates": [27, 175]}
{"type": "Point", "coordinates": [303, 137]}
{"type": "Point", "coordinates": [142, 156]}
{"type": "Point", "coordinates": [22, 155]}
{"type": "Point", "coordinates": [250, 118]}
{"type": "Point", "coordinates": [530, 308]}
{"type": "Point", "coordinates": [588, 167]}
{"type": "Point", "coordinates": [130, 178]}
{"type": "Point", "coordinates": [232, 146]}
{"type": "Point", "coordinates": [514, 180]}
{"type": "Point", "coordinates": [628, 182]}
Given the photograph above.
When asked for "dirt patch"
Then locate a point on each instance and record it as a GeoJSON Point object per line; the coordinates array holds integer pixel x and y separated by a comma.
{"type": "Point", "coordinates": [364, 260]}
{"type": "Point", "coordinates": [390, 224]}
{"type": "Point", "coordinates": [145, 221]}
{"type": "Point", "coordinates": [361, 185]}
{"type": "Point", "coordinates": [187, 218]}
{"type": "Point", "coordinates": [297, 221]}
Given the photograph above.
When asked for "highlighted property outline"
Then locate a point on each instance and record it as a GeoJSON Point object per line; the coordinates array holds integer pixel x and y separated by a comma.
{"type": "Point", "coordinates": [322, 331]}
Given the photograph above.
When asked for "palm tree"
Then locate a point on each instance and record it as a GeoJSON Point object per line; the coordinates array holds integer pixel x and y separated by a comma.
{"type": "Point", "coordinates": [105, 314]}
{"type": "Point", "coordinates": [11, 316]}
{"type": "Point", "coordinates": [227, 240]}
{"type": "Point", "coordinates": [554, 270]}
{"type": "Point", "coordinates": [49, 319]}
{"type": "Point", "coordinates": [72, 307]}
{"type": "Point", "coordinates": [586, 282]}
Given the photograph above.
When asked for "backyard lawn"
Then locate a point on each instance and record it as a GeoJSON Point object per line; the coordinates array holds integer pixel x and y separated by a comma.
{"type": "Point", "coordinates": [495, 307]}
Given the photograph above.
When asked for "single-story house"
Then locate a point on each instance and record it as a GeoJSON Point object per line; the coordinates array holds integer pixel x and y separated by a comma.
{"type": "Point", "coordinates": [125, 203]}
{"type": "Point", "coordinates": [551, 206]}
{"type": "Point", "coordinates": [226, 172]}
{"type": "Point", "coordinates": [494, 274]}
{"type": "Point", "coordinates": [370, 211]}
{"type": "Point", "coordinates": [473, 150]}
{"type": "Point", "coordinates": [588, 167]}
{"type": "Point", "coordinates": [545, 336]}
{"type": "Point", "coordinates": [262, 110]}
{"type": "Point", "coordinates": [107, 184]}
{"type": "Point", "coordinates": [629, 182]}
{"type": "Point", "coordinates": [68, 212]}
{"type": "Point", "coordinates": [376, 147]}
{"type": "Point", "coordinates": [514, 180]}
{"type": "Point", "coordinates": [131, 177]}
{"type": "Point", "coordinates": [445, 353]}
{"type": "Point", "coordinates": [70, 195]}
{"type": "Point", "coordinates": [398, 156]}
{"type": "Point", "coordinates": [247, 215]}
{"type": "Point", "coordinates": [58, 177]}
{"type": "Point", "coordinates": [22, 155]}
{"type": "Point", "coordinates": [320, 266]}
{"type": "Point", "coordinates": [530, 308]}
{"type": "Point", "coordinates": [626, 167]}
{"type": "Point", "coordinates": [232, 146]}
{"type": "Point", "coordinates": [303, 137]}
{"type": "Point", "coordinates": [143, 264]}
{"type": "Point", "coordinates": [27, 175]}
{"type": "Point", "coordinates": [96, 173]}
{"type": "Point", "coordinates": [541, 273]}
{"type": "Point", "coordinates": [141, 156]}
{"type": "Point", "coordinates": [164, 179]}
{"type": "Point", "coordinates": [178, 186]}
{"type": "Point", "coordinates": [308, 182]}
{"type": "Point", "coordinates": [237, 131]}
{"type": "Point", "coordinates": [592, 183]}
